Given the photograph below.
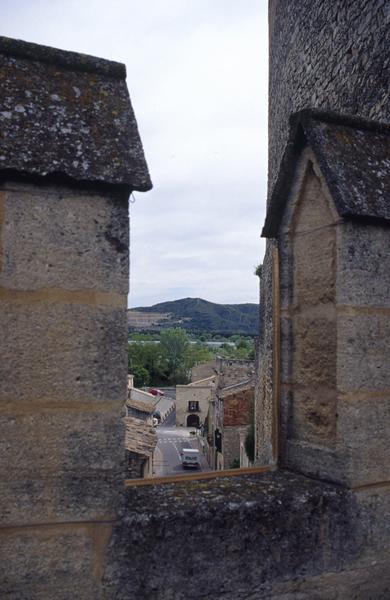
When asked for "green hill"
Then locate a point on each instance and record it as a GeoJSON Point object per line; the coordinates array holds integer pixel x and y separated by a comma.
{"type": "Point", "coordinates": [196, 315]}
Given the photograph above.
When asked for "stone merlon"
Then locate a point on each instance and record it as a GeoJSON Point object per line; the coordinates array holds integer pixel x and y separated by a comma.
{"type": "Point", "coordinates": [354, 157]}
{"type": "Point", "coordinates": [67, 116]}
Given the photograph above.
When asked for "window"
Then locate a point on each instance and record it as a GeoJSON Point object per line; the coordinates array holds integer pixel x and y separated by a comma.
{"type": "Point", "coordinates": [193, 406]}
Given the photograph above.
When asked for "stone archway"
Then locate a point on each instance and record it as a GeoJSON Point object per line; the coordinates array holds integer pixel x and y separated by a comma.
{"type": "Point", "coordinates": [193, 421]}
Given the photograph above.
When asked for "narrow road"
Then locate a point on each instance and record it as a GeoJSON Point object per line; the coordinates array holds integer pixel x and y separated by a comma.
{"type": "Point", "coordinates": [171, 441]}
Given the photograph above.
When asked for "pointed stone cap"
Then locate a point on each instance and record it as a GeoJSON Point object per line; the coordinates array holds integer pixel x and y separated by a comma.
{"type": "Point", "coordinates": [354, 157]}
{"type": "Point", "coordinates": [67, 115]}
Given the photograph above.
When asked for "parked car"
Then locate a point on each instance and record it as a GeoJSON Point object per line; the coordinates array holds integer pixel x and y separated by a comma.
{"type": "Point", "coordinates": [156, 392]}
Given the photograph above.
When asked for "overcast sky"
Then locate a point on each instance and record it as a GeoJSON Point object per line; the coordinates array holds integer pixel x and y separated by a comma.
{"type": "Point", "coordinates": [197, 76]}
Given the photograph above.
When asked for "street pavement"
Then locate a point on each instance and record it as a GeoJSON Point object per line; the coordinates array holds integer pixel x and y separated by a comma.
{"type": "Point", "coordinates": [171, 441]}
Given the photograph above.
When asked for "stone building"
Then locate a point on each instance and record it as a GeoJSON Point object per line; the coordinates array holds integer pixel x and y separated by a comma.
{"type": "Point", "coordinates": [141, 437]}
{"type": "Point", "coordinates": [330, 56]}
{"type": "Point", "coordinates": [228, 411]}
{"type": "Point", "coordinates": [70, 155]}
{"type": "Point", "coordinates": [192, 402]}
{"type": "Point", "coordinates": [330, 214]}
{"type": "Point", "coordinates": [69, 530]}
{"type": "Point", "coordinates": [233, 370]}
{"type": "Point", "coordinates": [238, 414]}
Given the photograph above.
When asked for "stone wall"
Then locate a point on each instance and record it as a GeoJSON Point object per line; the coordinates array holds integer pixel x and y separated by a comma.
{"type": "Point", "coordinates": [329, 55]}
{"type": "Point", "coordinates": [70, 156]}
{"type": "Point", "coordinates": [238, 408]}
{"type": "Point", "coordinates": [363, 332]}
{"type": "Point", "coordinates": [62, 385]}
{"type": "Point", "coordinates": [231, 371]}
{"type": "Point", "coordinates": [274, 536]}
{"type": "Point", "coordinates": [264, 412]}
{"type": "Point", "coordinates": [309, 357]}
{"type": "Point", "coordinates": [203, 370]}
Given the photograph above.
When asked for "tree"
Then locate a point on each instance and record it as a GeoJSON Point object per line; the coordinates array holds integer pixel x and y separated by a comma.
{"type": "Point", "coordinates": [197, 354]}
{"type": "Point", "coordinates": [174, 348]}
{"type": "Point", "coordinates": [147, 357]}
{"type": "Point", "coordinates": [141, 376]}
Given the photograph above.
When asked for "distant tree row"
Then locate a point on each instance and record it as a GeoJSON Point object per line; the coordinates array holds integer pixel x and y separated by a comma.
{"type": "Point", "coordinates": [169, 362]}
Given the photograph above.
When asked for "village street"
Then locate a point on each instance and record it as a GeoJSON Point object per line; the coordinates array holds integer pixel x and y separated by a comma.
{"type": "Point", "coordinates": [171, 441]}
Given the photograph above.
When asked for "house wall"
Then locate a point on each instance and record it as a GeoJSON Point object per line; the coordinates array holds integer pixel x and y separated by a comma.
{"type": "Point", "coordinates": [238, 408]}
{"type": "Point", "coordinates": [231, 371]}
{"type": "Point", "coordinates": [63, 384]}
{"type": "Point", "coordinates": [187, 393]}
{"type": "Point", "coordinates": [231, 446]}
{"type": "Point", "coordinates": [237, 412]}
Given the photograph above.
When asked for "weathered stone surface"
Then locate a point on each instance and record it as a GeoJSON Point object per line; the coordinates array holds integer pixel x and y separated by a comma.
{"type": "Point", "coordinates": [363, 265]}
{"type": "Point", "coordinates": [243, 538]}
{"type": "Point", "coordinates": [264, 413]}
{"type": "Point", "coordinates": [326, 55]}
{"type": "Point", "coordinates": [234, 370]}
{"type": "Point", "coordinates": [314, 460]}
{"type": "Point", "coordinates": [60, 465]}
{"type": "Point", "coordinates": [59, 352]}
{"type": "Point", "coordinates": [43, 563]}
{"type": "Point", "coordinates": [363, 351]}
{"type": "Point", "coordinates": [67, 115]}
{"type": "Point", "coordinates": [238, 407]}
{"type": "Point", "coordinates": [63, 238]}
{"type": "Point", "coordinates": [353, 157]}
{"type": "Point", "coordinates": [330, 56]}
{"type": "Point", "coordinates": [363, 428]}
{"type": "Point", "coordinates": [313, 415]}
{"type": "Point", "coordinates": [314, 339]}
{"type": "Point", "coordinates": [369, 580]}
{"type": "Point", "coordinates": [313, 248]}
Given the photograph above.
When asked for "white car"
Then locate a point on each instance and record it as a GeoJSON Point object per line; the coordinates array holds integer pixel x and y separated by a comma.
{"type": "Point", "coordinates": [190, 458]}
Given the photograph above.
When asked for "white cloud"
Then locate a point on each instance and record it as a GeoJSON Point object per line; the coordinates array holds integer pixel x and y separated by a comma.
{"type": "Point", "coordinates": [197, 75]}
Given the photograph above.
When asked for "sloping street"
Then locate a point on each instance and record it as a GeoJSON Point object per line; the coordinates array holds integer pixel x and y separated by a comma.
{"type": "Point", "coordinates": [171, 441]}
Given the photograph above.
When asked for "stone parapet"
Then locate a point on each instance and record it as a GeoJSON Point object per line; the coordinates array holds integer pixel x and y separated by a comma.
{"type": "Point", "coordinates": [273, 536]}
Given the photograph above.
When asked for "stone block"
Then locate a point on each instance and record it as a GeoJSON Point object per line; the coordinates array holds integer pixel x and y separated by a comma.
{"type": "Point", "coordinates": [314, 267]}
{"type": "Point", "coordinates": [363, 265]}
{"type": "Point", "coordinates": [363, 432]}
{"type": "Point", "coordinates": [314, 344]}
{"type": "Point", "coordinates": [313, 415]}
{"type": "Point", "coordinates": [363, 351]}
{"type": "Point", "coordinates": [59, 352]}
{"type": "Point", "coordinates": [62, 238]}
{"type": "Point", "coordinates": [43, 563]}
{"type": "Point", "coordinates": [315, 461]}
{"type": "Point", "coordinates": [60, 465]}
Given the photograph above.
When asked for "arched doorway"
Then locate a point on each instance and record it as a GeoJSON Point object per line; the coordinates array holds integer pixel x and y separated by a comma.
{"type": "Point", "coordinates": [192, 421]}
